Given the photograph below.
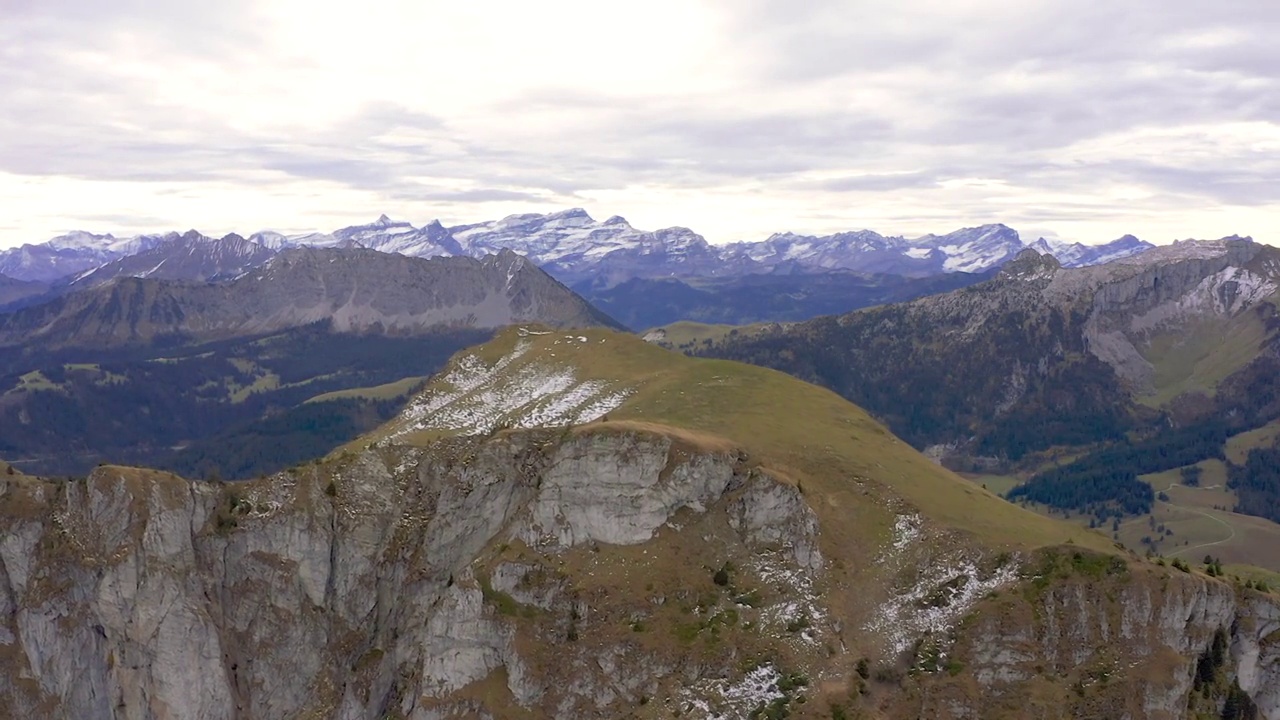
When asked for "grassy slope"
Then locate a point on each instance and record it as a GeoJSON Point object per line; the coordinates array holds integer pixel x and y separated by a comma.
{"type": "Point", "coordinates": [799, 430]}
{"type": "Point", "coordinates": [386, 391]}
{"type": "Point", "coordinates": [1198, 357]}
{"type": "Point", "coordinates": [1238, 446]}
{"type": "Point", "coordinates": [687, 332]}
{"type": "Point", "coordinates": [1196, 515]}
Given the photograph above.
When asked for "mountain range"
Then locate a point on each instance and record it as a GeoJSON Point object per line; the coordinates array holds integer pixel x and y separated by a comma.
{"type": "Point", "coordinates": [575, 248]}
{"type": "Point", "coordinates": [1083, 349]}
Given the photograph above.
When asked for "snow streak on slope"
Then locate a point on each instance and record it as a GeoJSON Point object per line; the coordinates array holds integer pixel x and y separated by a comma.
{"type": "Point", "coordinates": [940, 587]}
{"type": "Point", "coordinates": [519, 390]}
{"type": "Point", "coordinates": [1227, 291]}
{"type": "Point", "coordinates": [719, 699]}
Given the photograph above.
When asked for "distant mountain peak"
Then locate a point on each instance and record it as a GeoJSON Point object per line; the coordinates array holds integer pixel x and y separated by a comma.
{"type": "Point", "coordinates": [1031, 264]}
{"type": "Point", "coordinates": [383, 221]}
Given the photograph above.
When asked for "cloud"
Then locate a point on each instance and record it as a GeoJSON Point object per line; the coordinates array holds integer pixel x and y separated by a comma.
{"type": "Point", "coordinates": [1097, 118]}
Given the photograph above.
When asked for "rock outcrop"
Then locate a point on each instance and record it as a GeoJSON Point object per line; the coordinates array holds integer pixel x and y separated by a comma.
{"type": "Point", "coordinates": [1120, 643]}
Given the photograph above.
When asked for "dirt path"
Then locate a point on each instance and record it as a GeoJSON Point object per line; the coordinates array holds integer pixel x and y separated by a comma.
{"type": "Point", "coordinates": [1230, 529]}
{"type": "Point", "coordinates": [1190, 487]}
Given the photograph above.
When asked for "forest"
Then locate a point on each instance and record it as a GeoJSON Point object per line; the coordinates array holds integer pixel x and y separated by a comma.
{"type": "Point", "coordinates": [1257, 483]}
{"type": "Point", "coordinates": [226, 405]}
{"type": "Point", "coordinates": [920, 371]}
{"type": "Point", "coordinates": [642, 303]}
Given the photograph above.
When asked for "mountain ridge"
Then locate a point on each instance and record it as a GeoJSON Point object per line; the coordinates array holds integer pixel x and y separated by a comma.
{"type": "Point", "coordinates": [574, 247]}
{"type": "Point", "coordinates": [1085, 341]}
{"type": "Point", "coordinates": [299, 286]}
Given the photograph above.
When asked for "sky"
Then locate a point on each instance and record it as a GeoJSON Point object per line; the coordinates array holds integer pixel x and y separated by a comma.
{"type": "Point", "coordinates": [1081, 120]}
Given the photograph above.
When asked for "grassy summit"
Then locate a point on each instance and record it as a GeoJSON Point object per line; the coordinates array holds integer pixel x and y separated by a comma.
{"type": "Point", "coordinates": [838, 454]}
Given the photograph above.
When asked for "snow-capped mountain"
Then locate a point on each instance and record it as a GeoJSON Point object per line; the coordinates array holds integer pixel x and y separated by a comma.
{"type": "Point", "coordinates": [384, 234]}
{"type": "Point", "coordinates": [967, 250]}
{"type": "Point", "coordinates": [190, 256]}
{"type": "Point", "coordinates": [1079, 254]}
{"type": "Point", "coordinates": [573, 246]}
{"type": "Point", "coordinates": [70, 254]}
{"type": "Point", "coordinates": [576, 248]}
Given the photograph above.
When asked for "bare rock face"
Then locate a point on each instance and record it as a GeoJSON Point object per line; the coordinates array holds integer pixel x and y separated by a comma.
{"type": "Point", "coordinates": [1127, 644]}
{"type": "Point", "coordinates": [136, 594]}
{"type": "Point", "coordinates": [1175, 285]}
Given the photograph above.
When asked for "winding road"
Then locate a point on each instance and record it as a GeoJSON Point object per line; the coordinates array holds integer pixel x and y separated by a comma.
{"type": "Point", "coordinates": [1214, 518]}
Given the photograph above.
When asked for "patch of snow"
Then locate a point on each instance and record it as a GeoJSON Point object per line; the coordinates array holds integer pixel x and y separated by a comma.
{"type": "Point", "coordinates": [906, 529]}
{"type": "Point", "coordinates": [720, 699]}
{"type": "Point", "coordinates": [474, 398]}
{"type": "Point", "coordinates": [157, 267]}
{"type": "Point", "coordinates": [801, 603]}
{"type": "Point", "coordinates": [942, 588]}
{"type": "Point", "coordinates": [1213, 294]}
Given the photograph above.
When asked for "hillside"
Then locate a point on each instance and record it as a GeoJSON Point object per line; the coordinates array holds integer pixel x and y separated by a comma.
{"type": "Point", "coordinates": [546, 378]}
{"type": "Point", "coordinates": [355, 290]}
{"type": "Point", "coordinates": [705, 540]}
{"type": "Point", "coordinates": [13, 291]}
{"type": "Point", "coordinates": [233, 409]}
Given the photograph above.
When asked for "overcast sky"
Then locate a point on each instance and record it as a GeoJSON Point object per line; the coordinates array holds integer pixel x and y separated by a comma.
{"type": "Point", "coordinates": [1081, 119]}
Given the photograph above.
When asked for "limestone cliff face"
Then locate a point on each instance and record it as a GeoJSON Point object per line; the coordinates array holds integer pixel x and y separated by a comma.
{"type": "Point", "coordinates": [1125, 644]}
{"type": "Point", "coordinates": [352, 594]}
{"type": "Point", "coordinates": [1133, 300]}
{"type": "Point", "coordinates": [556, 573]}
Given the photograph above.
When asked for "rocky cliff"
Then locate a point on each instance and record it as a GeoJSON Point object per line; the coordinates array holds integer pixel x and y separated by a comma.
{"type": "Point", "coordinates": [382, 585]}
{"type": "Point", "coordinates": [1093, 638]}
{"type": "Point", "coordinates": [606, 571]}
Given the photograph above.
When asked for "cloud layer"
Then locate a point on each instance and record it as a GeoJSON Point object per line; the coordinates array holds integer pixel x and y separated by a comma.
{"type": "Point", "coordinates": [1085, 120]}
